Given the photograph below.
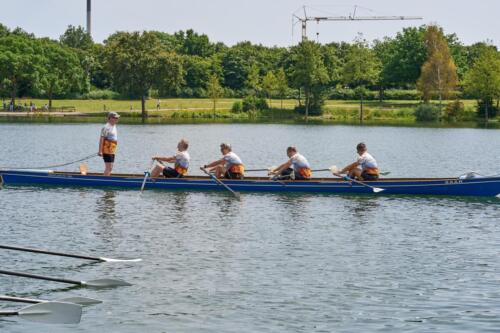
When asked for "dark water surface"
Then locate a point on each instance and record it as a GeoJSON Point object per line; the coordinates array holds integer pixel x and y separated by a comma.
{"type": "Point", "coordinates": [267, 263]}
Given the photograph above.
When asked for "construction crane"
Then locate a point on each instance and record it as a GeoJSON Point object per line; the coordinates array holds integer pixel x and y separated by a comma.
{"type": "Point", "coordinates": [351, 17]}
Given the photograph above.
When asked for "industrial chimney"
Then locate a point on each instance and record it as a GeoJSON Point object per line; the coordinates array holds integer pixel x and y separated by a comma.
{"type": "Point", "coordinates": [88, 17]}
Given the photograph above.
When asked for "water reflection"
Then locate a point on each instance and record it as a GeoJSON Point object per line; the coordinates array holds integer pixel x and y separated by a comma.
{"type": "Point", "coordinates": [106, 207]}
{"type": "Point", "coordinates": [363, 208]}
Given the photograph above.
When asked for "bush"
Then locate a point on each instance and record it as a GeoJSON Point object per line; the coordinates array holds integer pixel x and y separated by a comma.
{"type": "Point", "coordinates": [427, 112]}
{"type": "Point", "coordinates": [102, 94]}
{"type": "Point", "coordinates": [314, 110]}
{"type": "Point", "coordinates": [237, 106]}
{"type": "Point", "coordinates": [400, 94]}
{"type": "Point", "coordinates": [254, 103]}
{"type": "Point", "coordinates": [454, 110]}
{"type": "Point", "coordinates": [481, 109]}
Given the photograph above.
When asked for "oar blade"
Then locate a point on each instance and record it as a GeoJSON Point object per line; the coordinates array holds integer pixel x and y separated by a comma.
{"type": "Point", "coordinates": [378, 189]}
{"type": "Point", "coordinates": [106, 283]}
{"type": "Point", "coordinates": [83, 301]}
{"type": "Point", "coordinates": [52, 313]}
{"type": "Point", "coordinates": [334, 169]}
{"type": "Point", "coordinates": [120, 260]}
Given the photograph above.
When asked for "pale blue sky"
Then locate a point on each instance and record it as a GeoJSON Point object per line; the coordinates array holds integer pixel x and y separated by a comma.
{"type": "Point", "coordinates": [259, 21]}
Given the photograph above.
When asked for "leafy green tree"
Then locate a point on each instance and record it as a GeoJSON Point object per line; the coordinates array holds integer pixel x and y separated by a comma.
{"type": "Point", "coordinates": [281, 84]}
{"type": "Point", "coordinates": [77, 38]}
{"type": "Point", "coordinates": [62, 71]}
{"type": "Point", "coordinates": [253, 82]}
{"type": "Point", "coordinates": [402, 57]}
{"type": "Point", "coordinates": [439, 73]}
{"type": "Point", "coordinates": [331, 54]}
{"type": "Point", "coordinates": [20, 64]}
{"type": "Point", "coordinates": [270, 85]}
{"type": "Point", "coordinates": [214, 89]}
{"type": "Point", "coordinates": [137, 63]}
{"type": "Point", "coordinates": [308, 72]}
{"type": "Point", "coordinates": [4, 31]}
{"type": "Point", "coordinates": [198, 71]}
{"type": "Point", "coordinates": [483, 81]}
{"type": "Point", "coordinates": [361, 69]}
{"type": "Point", "coordinates": [235, 70]}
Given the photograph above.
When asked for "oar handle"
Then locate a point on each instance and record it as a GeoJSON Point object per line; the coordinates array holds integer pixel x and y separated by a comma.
{"type": "Point", "coordinates": [41, 277]}
{"type": "Point", "coordinates": [25, 249]}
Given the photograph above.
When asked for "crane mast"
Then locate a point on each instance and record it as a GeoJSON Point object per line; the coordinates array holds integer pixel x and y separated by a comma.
{"type": "Point", "coordinates": [350, 17]}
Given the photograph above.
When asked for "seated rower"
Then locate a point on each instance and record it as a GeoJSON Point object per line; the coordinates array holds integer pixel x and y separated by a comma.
{"type": "Point", "coordinates": [365, 167]}
{"type": "Point", "coordinates": [180, 161]}
{"type": "Point", "coordinates": [297, 167]}
{"type": "Point", "coordinates": [229, 166]}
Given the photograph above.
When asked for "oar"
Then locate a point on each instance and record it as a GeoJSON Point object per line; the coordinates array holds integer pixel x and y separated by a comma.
{"type": "Point", "coordinates": [100, 283]}
{"type": "Point", "coordinates": [78, 256]}
{"type": "Point", "coordinates": [236, 194]}
{"type": "Point", "coordinates": [83, 301]}
{"type": "Point", "coordinates": [50, 313]}
{"type": "Point", "coordinates": [333, 167]}
{"type": "Point", "coordinates": [146, 175]}
{"type": "Point", "coordinates": [347, 178]}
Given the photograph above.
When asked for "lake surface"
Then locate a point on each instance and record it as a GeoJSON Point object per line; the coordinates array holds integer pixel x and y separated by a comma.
{"type": "Point", "coordinates": [267, 263]}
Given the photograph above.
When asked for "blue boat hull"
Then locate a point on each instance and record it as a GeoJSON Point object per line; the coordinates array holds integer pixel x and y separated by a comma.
{"type": "Point", "coordinates": [488, 186]}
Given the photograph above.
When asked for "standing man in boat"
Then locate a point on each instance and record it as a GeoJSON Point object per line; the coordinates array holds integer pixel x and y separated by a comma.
{"type": "Point", "coordinates": [180, 161]}
{"type": "Point", "coordinates": [297, 167]}
{"type": "Point", "coordinates": [229, 166]}
{"type": "Point", "coordinates": [365, 167]}
{"type": "Point", "coordinates": [108, 142]}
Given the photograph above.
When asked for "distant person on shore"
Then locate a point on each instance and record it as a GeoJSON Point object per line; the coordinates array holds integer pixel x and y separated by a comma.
{"type": "Point", "coordinates": [229, 166]}
{"type": "Point", "coordinates": [158, 104]}
{"type": "Point", "coordinates": [365, 167]}
{"type": "Point", "coordinates": [11, 106]}
{"type": "Point", "coordinates": [108, 142]}
{"type": "Point", "coordinates": [297, 167]}
{"type": "Point", "coordinates": [180, 161]}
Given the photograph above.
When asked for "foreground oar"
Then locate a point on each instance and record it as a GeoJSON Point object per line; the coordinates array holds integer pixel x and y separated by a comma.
{"type": "Point", "coordinates": [146, 175]}
{"type": "Point", "coordinates": [83, 301]}
{"type": "Point", "coordinates": [78, 256]}
{"type": "Point", "coordinates": [49, 312]}
{"type": "Point", "coordinates": [349, 179]}
{"type": "Point", "coordinates": [100, 283]}
{"type": "Point", "coordinates": [236, 194]}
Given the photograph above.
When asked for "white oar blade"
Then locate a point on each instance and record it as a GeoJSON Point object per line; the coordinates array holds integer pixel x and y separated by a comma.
{"type": "Point", "coordinates": [377, 189]}
{"type": "Point", "coordinates": [106, 283]}
{"type": "Point", "coordinates": [83, 301]}
{"type": "Point", "coordinates": [52, 313]}
{"type": "Point", "coordinates": [333, 169]}
{"type": "Point", "coordinates": [120, 260]}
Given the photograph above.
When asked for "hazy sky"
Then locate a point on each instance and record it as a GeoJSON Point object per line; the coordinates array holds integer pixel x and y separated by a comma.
{"type": "Point", "coordinates": [268, 22]}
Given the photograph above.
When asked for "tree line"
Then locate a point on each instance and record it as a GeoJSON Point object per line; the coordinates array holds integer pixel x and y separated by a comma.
{"type": "Point", "coordinates": [423, 61]}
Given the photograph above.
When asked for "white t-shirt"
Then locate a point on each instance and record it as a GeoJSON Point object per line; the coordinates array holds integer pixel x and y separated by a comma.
{"type": "Point", "coordinates": [367, 161]}
{"type": "Point", "coordinates": [299, 162]}
{"type": "Point", "coordinates": [109, 132]}
{"type": "Point", "coordinates": [231, 159]}
{"type": "Point", "coordinates": [182, 159]}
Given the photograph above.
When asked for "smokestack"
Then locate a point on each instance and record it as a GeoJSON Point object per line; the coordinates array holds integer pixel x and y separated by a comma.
{"type": "Point", "coordinates": [88, 17]}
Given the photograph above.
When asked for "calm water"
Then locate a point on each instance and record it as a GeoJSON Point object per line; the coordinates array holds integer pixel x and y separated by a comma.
{"type": "Point", "coordinates": [267, 263]}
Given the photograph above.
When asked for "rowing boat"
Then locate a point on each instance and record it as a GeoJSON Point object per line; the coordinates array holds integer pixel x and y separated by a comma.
{"type": "Point", "coordinates": [483, 186]}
